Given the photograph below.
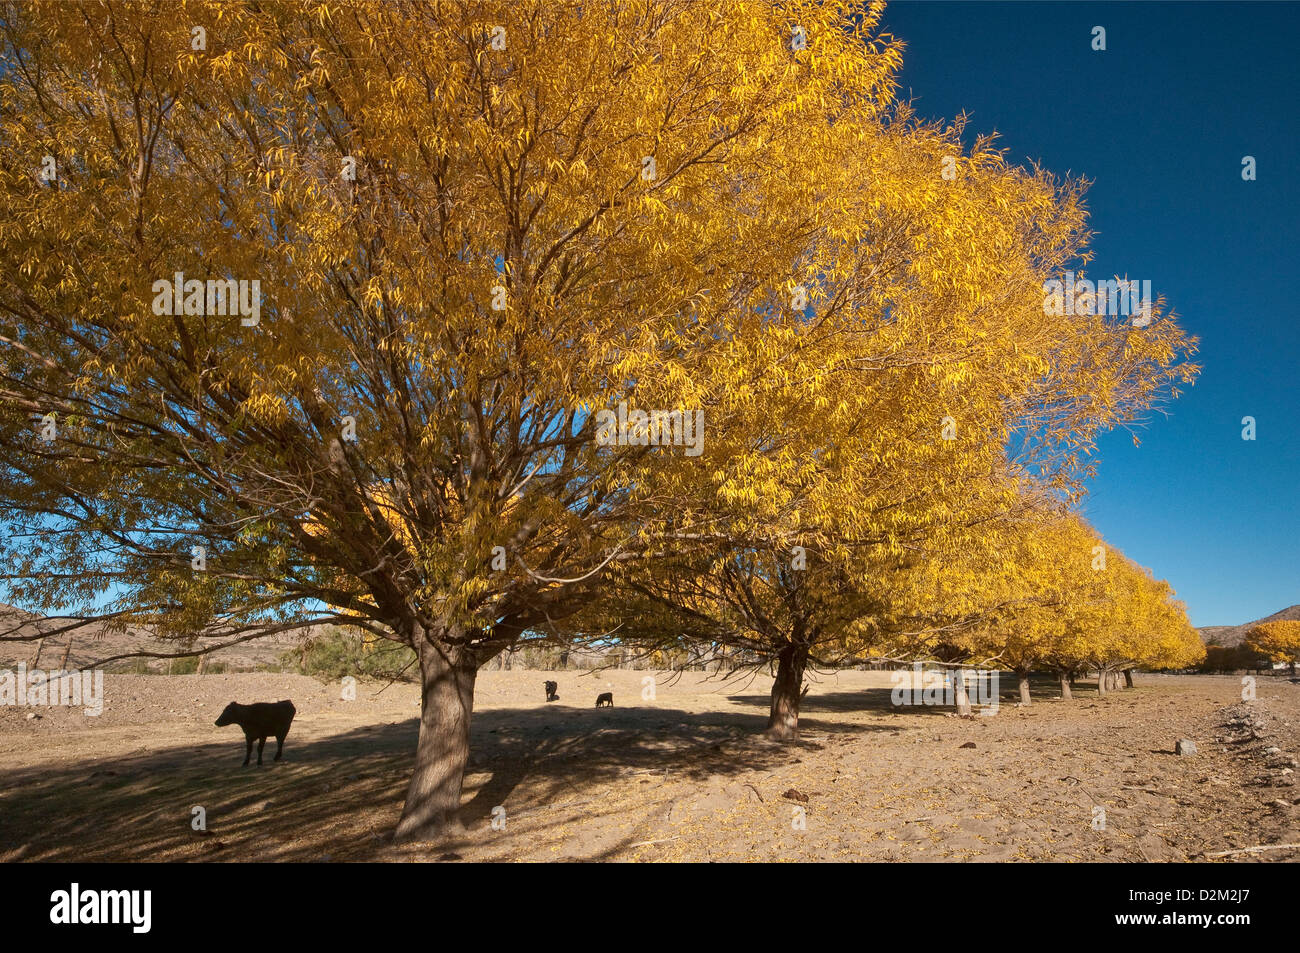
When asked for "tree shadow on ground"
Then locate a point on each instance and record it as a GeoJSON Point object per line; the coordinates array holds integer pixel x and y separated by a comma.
{"type": "Point", "coordinates": [882, 700]}
{"type": "Point", "coordinates": [338, 796]}
{"type": "Point", "coordinates": [876, 700]}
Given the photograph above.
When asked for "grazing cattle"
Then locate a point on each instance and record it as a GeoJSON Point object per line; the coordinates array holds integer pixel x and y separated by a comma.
{"type": "Point", "coordinates": [551, 689]}
{"type": "Point", "coordinates": [260, 721]}
{"type": "Point", "coordinates": [605, 698]}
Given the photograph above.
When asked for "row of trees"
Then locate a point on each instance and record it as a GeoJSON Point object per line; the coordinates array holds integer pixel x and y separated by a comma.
{"type": "Point", "coordinates": [1041, 592]}
{"type": "Point", "coordinates": [1072, 605]}
{"type": "Point", "coordinates": [1277, 641]}
{"type": "Point", "coordinates": [474, 226]}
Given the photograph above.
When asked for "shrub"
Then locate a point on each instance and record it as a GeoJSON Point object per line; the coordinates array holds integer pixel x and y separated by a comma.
{"type": "Point", "coordinates": [335, 652]}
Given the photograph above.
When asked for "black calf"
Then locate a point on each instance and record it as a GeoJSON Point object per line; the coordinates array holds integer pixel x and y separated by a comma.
{"type": "Point", "coordinates": [260, 721]}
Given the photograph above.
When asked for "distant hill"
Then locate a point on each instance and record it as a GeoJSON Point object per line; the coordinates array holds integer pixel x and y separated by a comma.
{"type": "Point", "coordinates": [92, 643]}
{"type": "Point", "coordinates": [1231, 636]}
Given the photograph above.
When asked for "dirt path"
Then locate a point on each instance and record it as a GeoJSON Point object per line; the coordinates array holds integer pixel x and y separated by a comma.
{"type": "Point", "coordinates": [686, 771]}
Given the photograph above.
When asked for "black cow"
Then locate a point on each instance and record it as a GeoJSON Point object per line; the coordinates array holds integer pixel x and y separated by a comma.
{"type": "Point", "coordinates": [605, 698]}
{"type": "Point", "coordinates": [260, 721]}
{"type": "Point", "coordinates": [551, 689]}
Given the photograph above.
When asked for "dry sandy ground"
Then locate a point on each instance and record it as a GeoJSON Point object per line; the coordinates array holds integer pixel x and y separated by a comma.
{"type": "Point", "coordinates": [682, 777]}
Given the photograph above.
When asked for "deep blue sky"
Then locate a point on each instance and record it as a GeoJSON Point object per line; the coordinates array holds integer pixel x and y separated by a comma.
{"type": "Point", "coordinates": [1160, 122]}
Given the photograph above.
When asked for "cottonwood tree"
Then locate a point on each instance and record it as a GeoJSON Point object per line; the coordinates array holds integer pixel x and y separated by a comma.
{"type": "Point", "coordinates": [459, 231]}
{"type": "Point", "coordinates": [942, 397]}
{"type": "Point", "coordinates": [1279, 641]}
{"type": "Point", "coordinates": [784, 607]}
{"type": "Point", "coordinates": [1027, 583]}
{"type": "Point", "coordinates": [1064, 609]}
{"type": "Point", "coordinates": [1158, 633]}
{"type": "Point", "coordinates": [1142, 625]}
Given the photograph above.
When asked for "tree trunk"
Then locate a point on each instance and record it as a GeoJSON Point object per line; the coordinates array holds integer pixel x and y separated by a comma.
{"type": "Point", "coordinates": [783, 717]}
{"type": "Point", "coordinates": [1102, 677]}
{"type": "Point", "coordinates": [959, 692]}
{"type": "Point", "coordinates": [1023, 679]}
{"type": "Point", "coordinates": [67, 649]}
{"type": "Point", "coordinates": [447, 675]}
{"type": "Point", "coordinates": [1128, 678]}
{"type": "Point", "coordinates": [1065, 688]}
{"type": "Point", "coordinates": [36, 660]}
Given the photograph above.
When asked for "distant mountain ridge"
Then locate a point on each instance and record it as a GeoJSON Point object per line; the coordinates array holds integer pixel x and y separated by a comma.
{"type": "Point", "coordinates": [93, 642]}
{"type": "Point", "coordinates": [1231, 636]}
